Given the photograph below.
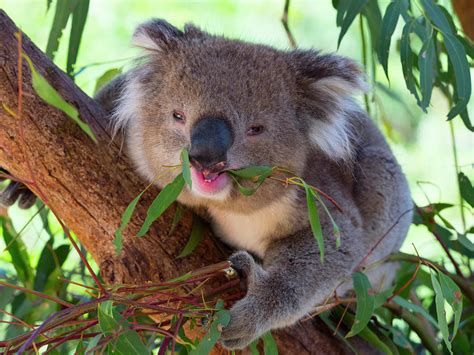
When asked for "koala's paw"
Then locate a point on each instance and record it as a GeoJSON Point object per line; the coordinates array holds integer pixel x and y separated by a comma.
{"type": "Point", "coordinates": [246, 325]}
{"type": "Point", "coordinates": [244, 264]}
{"type": "Point", "coordinates": [17, 191]}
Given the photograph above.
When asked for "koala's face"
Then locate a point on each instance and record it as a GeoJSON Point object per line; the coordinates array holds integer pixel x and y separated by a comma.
{"type": "Point", "coordinates": [231, 105]}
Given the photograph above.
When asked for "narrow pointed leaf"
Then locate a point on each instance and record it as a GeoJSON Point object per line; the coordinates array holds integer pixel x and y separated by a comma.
{"type": "Point", "coordinates": [269, 344]}
{"type": "Point", "coordinates": [453, 296]}
{"type": "Point", "coordinates": [365, 303]}
{"type": "Point", "coordinates": [51, 96]}
{"type": "Point", "coordinates": [64, 8]}
{"type": "Point", "coordinates": [186, 168]}
{"type": "Point", "coordinates": [426, 64]}
{"type": "Point", "coordinates": [406, 57]}
{"type": "Point", "coordinates": [79, 16]}
{"type": "Point", "coordinates": [160, 204]}
{"type": "Point", "coordinates": [389, 23]}
{"type": "Point", "coordinates": [440, 311]}
{"type": "Point", "coordinates": [354, 9]}
{"type": "Point", "coordinates": [127, 215]}
{"type": "Point", "coordinates": [197, 232]}
{"type": "Point", "coordinates": [314, 220]}
{"type": "Point", "coordinates": [467, 190]}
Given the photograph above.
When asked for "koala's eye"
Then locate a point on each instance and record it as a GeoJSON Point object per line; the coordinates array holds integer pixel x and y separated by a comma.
{"type": "Point", "coordinates": [254, 130]}
{"type": "Point", "coordinates": [179, 116]}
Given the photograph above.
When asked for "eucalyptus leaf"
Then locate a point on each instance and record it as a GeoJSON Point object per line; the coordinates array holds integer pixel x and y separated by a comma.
{"type": "Point", "coordinates": [186, 168]}
{"type": "Point", "coordinates": [269, 344]}
{"type": "Point", "coordinates": [160, 204]}
{"type": "Point", "coordinates": [354, 8]}
{"type": "Point", "coordinates": [314, 221]}
{"type": "Point", "coordinates": [197, 232]}
{"type": "Point", "coordinates": [64, 9]}
{"type": "Point", "coordinates": [406, 57]}
{"type": "Point", "coordinates": [365, 303]}
{"type": "Point", "coordinates": [467, 190]}
{"type": "Point", "coordinates": [389, 22]}
{"type": "Point", "coordinates": [127, 215]}
{"type": "Point", "coordinates": [440, 311]}
{"type": "Point", "coordinates": [105, 78]}
{"type": "Point", "coordinates": [79, 16]}
{"type": "Point", "coordinates": [51, 96]}
{"type": "Point", "coordinates": [427, 64]}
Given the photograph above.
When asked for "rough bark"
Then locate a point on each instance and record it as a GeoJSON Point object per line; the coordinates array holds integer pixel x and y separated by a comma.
{"type": "Point", "coordinates": [465, 11]}
{"type": "Point", "coordinates": [90, 185]}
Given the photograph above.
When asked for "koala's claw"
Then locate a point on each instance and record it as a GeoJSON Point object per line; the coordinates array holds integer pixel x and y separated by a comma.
{"type": "Point", "coordinates": [243, 263]}
{"type": "Point", "coordinates": [16, 191]}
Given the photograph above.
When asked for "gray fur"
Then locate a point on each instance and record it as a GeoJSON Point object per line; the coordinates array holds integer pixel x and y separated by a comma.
{"type": "Point", "coordinates": [313, 126]}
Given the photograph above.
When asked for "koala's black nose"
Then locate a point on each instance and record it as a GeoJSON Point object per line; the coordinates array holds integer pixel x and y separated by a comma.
{"type": "Point", "coordinates": [211, 137]}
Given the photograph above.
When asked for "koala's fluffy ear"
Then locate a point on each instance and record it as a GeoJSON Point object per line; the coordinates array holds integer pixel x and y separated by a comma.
{"type": "Point", "coordinates": [156, 35]}
{"type": "Point", "coordinates": [327, 85]}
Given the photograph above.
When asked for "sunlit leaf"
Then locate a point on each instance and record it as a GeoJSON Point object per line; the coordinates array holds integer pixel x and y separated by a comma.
{"type": "Point", "coordinates": [440, 311]}
{"type": "Point", "coordinates": [106, 78]}
{"type": "Point", "coordinates": [79, 17]}
{"type": "Point", "coordinates": [365, 303]}
{"type": "Point", "coordinates": [389, 22]}
{"type": "Point", "coordinates": [186, 168]}
{"type": "Point", "coordinates": [414, 308]}
{"type": "Point", "coordinates": [160, 204]}
{"type": "Point", "coordinates": [17, 249]}
{"type": "Point", "coordinates": [51, 96]}
{"type": "Point", "coordinates": [127, 215]}
{"type": "Point", "coordinates": [269, 344]}
{"type": "Point", "coordinates": [314, 221]}
{"type": "Point", "coordinates": [197, 232]}
{"type": "Point", "coordinates": [452, 294]}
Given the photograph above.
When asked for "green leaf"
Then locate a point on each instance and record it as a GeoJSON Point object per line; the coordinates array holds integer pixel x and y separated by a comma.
{"type": "Point", "coordinates": [374, 20]}
{"type": "Point", "coordinates": [105, 78]}
{"type": "Point", "coordinates": [92, 344]}
{"type": "Point", "coordinates": [464, 240]}
{"type": "Point", "coordinates": [79, 17]}
{"type": "Point", "coordinates": [406, 57]}
{"type": "Point", "coordinates": [269, 344]}
{"type": "Point", "coordinates": [365, 303]}
{"type": "Point", "coordinates": [314, 220]}
{"type": "Point", "coordinates": [127, 215]}
{"type": "Point", "coordinates": [252, 172]}
{"type": "Point", "coordinates": [415, 308]}
{"type": "Point", "coordinates": [467, 190]}
{"type": "Point", "coordinates": [389, 23]}
{"type": "Point", "coordinates": [197, 232]}
{"type": "Point", "coordinates": [427, 65]}
{"type": "Point", "coordinates": [160, 204]}
{"type": "Point", "coordinates": [453, 296]}
{"type": "Point", "coordinates": [111, 322]}
{"type": "Point", "coordinates": [456, 54]}
{"type": "Point", "coordinates": [51, 96]}
{"type": "Point", "coordinates": [220, 319]}
{"type": "Point", "coordinates": [50, 260]}
{"type": "Point", "coordinates": [17, 249]}
{"type": "Point", "coordinates": [178, 214]}
{"type": "Point", "coordinates": [186, 168]}
{"type": "Point", "coordinates": [354, 8]}
{"type": "Point", "coordinates": [440, 311]}
{"type": "Point", "coordinates": [253, 347]}
{"type": "Point", "coordinates": [64, 8]}
{"type": "Point", "coordinates": [381, 297]}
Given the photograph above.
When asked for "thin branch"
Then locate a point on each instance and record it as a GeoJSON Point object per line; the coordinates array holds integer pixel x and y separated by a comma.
{"type": "Point", "coordinates": [284, 21]}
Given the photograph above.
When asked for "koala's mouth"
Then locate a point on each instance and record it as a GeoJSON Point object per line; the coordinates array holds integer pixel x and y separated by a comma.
{"type": "Point", "coordinates": [209, 184]}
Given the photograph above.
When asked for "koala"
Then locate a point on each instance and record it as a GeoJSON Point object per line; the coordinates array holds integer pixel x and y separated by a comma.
{"type": "Point", "coordinates": [235, 104]}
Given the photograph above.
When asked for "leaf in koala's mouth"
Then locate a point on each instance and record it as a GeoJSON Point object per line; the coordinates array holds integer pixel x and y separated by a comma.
{"type": "Point", "coordinates": [257, 174]}
{"type": "Point", "coordinates": [186, 167]}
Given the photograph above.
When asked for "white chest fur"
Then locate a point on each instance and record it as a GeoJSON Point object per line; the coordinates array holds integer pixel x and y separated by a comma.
{"type": "Point", "coordinates": [254, 231]}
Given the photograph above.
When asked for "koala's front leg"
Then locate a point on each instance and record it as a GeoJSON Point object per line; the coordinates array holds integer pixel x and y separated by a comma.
{"type": "Point", "coordinates": [282, 291]}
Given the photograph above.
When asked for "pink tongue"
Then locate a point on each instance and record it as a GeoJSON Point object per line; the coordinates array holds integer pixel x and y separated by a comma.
{"type": "Point", "coordinates": [210, 185]}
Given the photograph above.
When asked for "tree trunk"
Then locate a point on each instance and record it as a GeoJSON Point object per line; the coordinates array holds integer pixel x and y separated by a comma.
{"type": "Point", "coordinates": [89, 185]}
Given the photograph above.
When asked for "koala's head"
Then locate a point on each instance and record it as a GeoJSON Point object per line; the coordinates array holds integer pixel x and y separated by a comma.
{"type": "Point", "coordinates": [232, 104]}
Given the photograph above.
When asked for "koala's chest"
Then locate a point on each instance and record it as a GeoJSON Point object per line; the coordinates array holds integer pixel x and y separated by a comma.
{"type": "Point", "coordinates": [252, 232]}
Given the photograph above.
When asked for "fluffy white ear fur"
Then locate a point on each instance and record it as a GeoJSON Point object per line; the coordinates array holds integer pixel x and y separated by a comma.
{"type": "Point", "coordinates": [142, 39]}
{"type": "Point", "coordinates": [334, 134]}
